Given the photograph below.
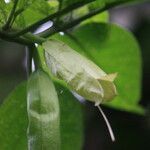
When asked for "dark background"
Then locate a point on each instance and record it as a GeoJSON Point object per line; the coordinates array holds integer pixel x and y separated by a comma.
{"type": "Point", "coordinates": [131, 131]}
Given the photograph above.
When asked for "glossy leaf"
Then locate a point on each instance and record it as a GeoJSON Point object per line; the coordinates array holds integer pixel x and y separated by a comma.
{"type": "Point", "coordinates": [43, 113]}
{"type": "Point", "coordinates": [13, 122]}
{"type": "Point", "coordinates": [115, 50]}
{"type": "Point", "coordinates": [71, 121]}
{"type": "Point", "coordinates": [81, 74]}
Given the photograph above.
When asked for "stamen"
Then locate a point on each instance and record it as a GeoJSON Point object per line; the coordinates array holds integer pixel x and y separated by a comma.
{"type": "Point", "coordinates": [108, 124]}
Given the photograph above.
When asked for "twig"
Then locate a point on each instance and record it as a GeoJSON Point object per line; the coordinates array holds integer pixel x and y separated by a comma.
{"type": "Point", "coordinates": [59, 9]}
{"type": "Point", "coordinates": [11, 15]}
{"type": "Point", "coordinates": [18, 12]}
{"type": "Point", "coordinates": [50, 17]}
{"type": "Point", "coordinates": [34, 38]}
{"type": "Point", "coordinates": [19, 40]}
{"type": "Point", "coordinates": [27, 39]}
{"type": "Point", "coordinates": [75, 22]}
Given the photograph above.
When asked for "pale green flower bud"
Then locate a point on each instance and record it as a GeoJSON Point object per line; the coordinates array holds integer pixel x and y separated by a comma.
{"type": "Point", "coordinates": [81, 74]}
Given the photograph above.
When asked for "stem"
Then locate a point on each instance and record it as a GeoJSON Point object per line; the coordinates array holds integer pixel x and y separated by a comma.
{"type": "Point", "coordinates": [50, 17]}
{"type": "Point", "coordinates": [10, 18]}
{"type": "Point", "coordinates": [27, 39]}
{"type": "Point", "coordinates": [35, 56]}
{"type": "Point", "coordinates": [20, 40]}
{"type": "Point", "coordinates": [59, 9]}
{"type": "Point", "coordinates": [18, 12]}
{"type": "Point", "coordinates": [30, 38]}
{"type": "Point", "coordinates": [34, 38]}
{"type": "Point", "coordinates": [29, 54]}
{"type": "Point", "coordinates": [75, 22]}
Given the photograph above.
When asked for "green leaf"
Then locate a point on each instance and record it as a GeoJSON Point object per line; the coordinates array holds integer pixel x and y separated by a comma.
{"type": "Point", "coordinates": [40, 9]}
{"type": "Point", "coordinates": [13, 122]}
{"type": "Point", "coordinates": [32, 11]}
{"type": "Point", "coordinates": [71, 120]}
{"type": "Point", "coordinates": [43, 113]}
{"type": "Point", "coordinates": [27, 12]}
{"type": "Point", "coordinates": [4, 11]}
{"type": "Point", "coordinates": [5, 8]}
{"type": "Point", "coordinates": [7, 83]}
{"type": "Point", "coordinates": [115, 50]}
{"type": "Point", "coordinates": [102, 17]}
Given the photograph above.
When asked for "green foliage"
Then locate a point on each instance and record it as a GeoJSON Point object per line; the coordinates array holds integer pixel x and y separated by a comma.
{"type": "Point", "coordinates": [32, 11]}
{"type": "Point", "coordinates": [103, 17]}
{"type": "Point", "coordinates": [27, 12]}
{"type": "Point", "coordinates": [4, 11]}
{"type": "Point", "coordinates": [14, 120]}
{"type": "Point", "coordinates": [103, 45]}
{"type": "Point", "coordinates": [71, 129]}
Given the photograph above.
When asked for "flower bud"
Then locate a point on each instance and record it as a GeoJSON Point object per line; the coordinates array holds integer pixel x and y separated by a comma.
{"type": "Point", "coordinates": [43, 113]}
{"type": "Point", "coordinates": [81, 75]}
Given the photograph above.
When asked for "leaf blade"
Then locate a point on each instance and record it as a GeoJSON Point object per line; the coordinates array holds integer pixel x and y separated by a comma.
{"type": "Point", "coordinates": [13, 120]}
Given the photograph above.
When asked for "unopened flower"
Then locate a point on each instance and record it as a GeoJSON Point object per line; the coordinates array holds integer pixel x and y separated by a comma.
{"type": "Point", "coordinates": [81, 74]}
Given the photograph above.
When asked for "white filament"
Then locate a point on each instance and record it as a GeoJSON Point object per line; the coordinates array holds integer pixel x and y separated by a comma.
{"type": "Point", "coordinates": [108, 124]}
